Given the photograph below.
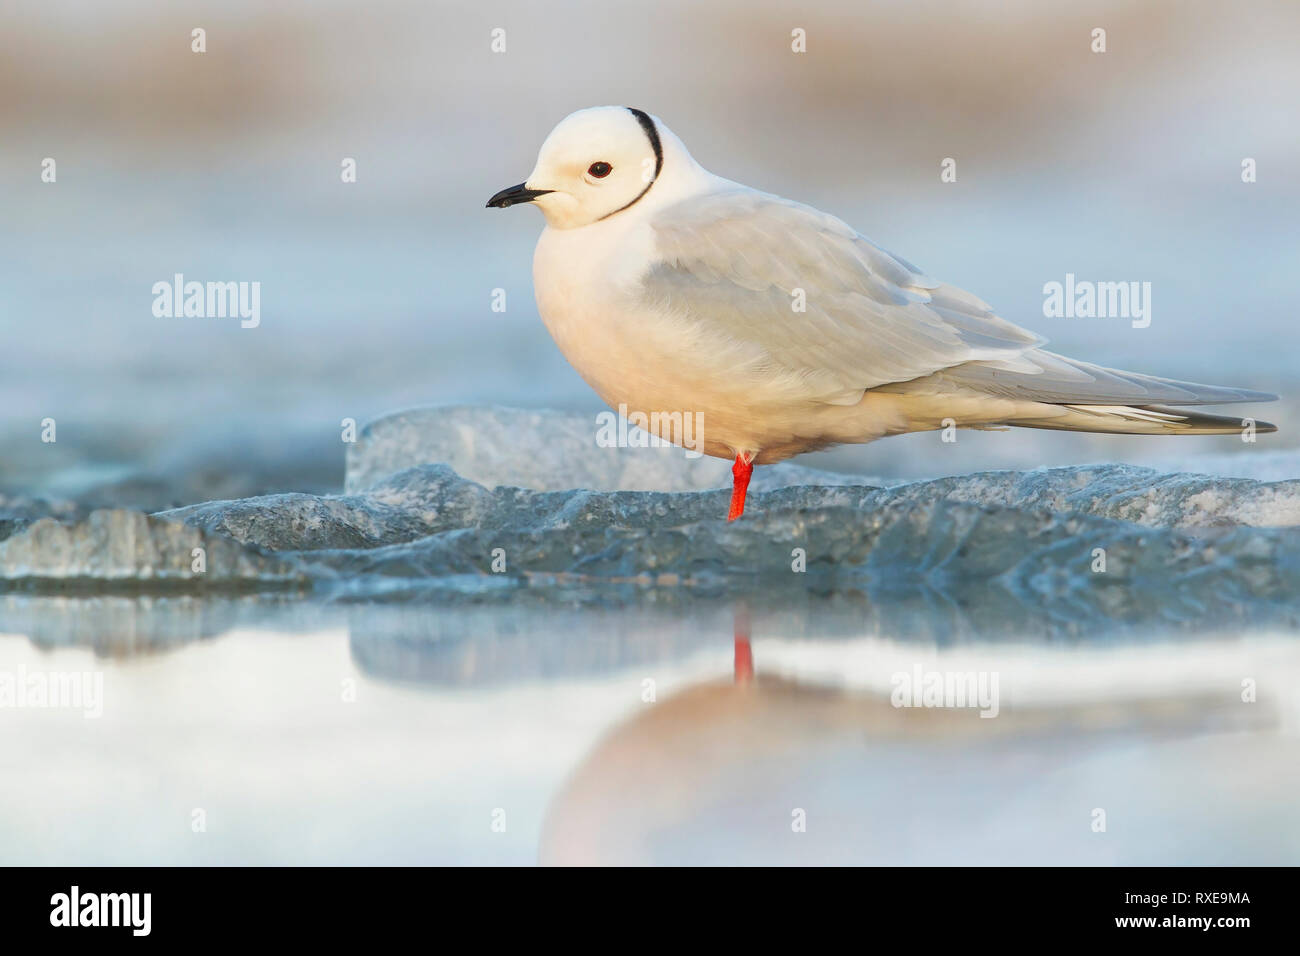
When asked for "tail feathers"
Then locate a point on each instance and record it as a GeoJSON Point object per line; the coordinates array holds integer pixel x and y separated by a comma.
{"type": "Point", "coordinates": [1142, 420]}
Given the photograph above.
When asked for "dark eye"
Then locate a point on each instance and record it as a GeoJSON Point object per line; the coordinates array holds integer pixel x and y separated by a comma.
{"type": "Point", "coordinates": [600, 170]}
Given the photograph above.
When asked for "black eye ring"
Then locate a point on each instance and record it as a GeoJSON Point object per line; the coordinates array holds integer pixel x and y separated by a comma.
{"type": "Point", "coordinates": [600, 170]}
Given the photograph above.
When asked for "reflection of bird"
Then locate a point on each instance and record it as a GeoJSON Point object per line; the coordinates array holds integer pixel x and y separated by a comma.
{"type": "Point", "coordinates": [675, 292]}
{"type": "Point", "coordinates": [713, 774]}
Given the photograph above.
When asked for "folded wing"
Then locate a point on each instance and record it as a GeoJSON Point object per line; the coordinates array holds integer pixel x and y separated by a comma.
{"type": "Point", "coordinates": [796, 294]}
{"type": "Point", "coordinates": [801, 293]}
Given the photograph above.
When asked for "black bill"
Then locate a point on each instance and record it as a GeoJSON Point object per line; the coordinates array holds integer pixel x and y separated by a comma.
{"type": "Point", "coordinates": [514, 195]}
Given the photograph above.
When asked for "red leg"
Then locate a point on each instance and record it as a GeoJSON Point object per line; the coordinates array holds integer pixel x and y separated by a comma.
{"type": "Point", "coordinates": [744, 661]}
{"type": "Point", "coordinates": [740, 472]}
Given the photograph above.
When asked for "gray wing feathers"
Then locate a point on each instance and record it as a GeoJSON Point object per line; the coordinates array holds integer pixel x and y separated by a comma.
{"type": "Point", "coordinates": [731, 264]}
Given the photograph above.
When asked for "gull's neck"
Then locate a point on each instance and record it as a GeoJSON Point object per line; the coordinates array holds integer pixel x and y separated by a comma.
{"type": "Point", "coordinates": [681, 177]}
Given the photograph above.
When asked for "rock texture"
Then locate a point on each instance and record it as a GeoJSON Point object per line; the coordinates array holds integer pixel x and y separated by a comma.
{"type": "Point", "coordinates": [1106, 541]}
{"type": "Point", "coordinates": [125, 547]}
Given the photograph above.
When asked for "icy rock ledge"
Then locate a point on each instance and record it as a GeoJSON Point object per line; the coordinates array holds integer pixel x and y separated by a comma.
{"type": "Point", "coordinates": [427, 527]}
{"type": "Point", "coordinates": [848, 537]}
{"type": "Point", "coordinates": [1124, 492]}
{"type": "Point", "coordinates": [557, 451]}
{"type": "Point", "coordinates": [127, 546]}
{"type": "Point", "coordinates": [407, 523]}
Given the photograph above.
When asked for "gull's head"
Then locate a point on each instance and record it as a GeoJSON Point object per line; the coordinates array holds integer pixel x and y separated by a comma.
{"type": "Point", "coordinates": [596, 163]}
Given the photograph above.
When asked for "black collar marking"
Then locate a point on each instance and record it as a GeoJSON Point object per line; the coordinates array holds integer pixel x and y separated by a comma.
{"type": "Point", "coordinates": [652, 134]}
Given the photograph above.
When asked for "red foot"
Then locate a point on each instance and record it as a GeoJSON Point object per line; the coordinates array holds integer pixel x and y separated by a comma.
{"type": "Point", "coordinates": [740, 471]}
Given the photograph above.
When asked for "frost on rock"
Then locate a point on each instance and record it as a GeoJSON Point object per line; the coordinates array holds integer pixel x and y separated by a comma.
{"type": "Point", "coordinates": [19, 511]}
{"type": "Point", "coordinates": [1127, 493]}
{"type": "Point", "coordinates": [127, 546]}
{"type": "Point", "coordinates": [403, 507]}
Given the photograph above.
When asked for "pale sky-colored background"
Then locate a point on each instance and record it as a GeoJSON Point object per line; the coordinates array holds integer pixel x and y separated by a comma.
{"type": "Point", "coordinates": [225, 166]}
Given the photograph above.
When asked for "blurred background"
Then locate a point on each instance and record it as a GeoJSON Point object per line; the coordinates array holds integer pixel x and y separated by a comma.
{"type": "Point", "coordinates": [377, 295]}
{"type": "Point", "coordinates": [225, 165]}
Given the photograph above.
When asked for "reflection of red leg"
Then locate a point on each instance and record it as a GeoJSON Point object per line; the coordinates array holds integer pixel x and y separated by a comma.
{"type": "Point", "coordinates": [744, 653]}
{"type": "Point", "coordinates": [744, 661]}
{"type": "Point", "coordinates": [740, 471]}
